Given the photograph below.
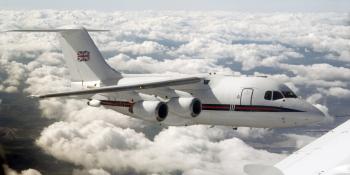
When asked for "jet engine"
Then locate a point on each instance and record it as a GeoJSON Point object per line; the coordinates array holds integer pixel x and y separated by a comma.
{"type": "Point", "coordinates": [187, 107]}
{"type": "Point", "coordinates": [150, 110]}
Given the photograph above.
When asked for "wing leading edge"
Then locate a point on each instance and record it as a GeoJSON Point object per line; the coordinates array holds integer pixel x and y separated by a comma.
{"type": "Point", "coordinates": [129, 87]}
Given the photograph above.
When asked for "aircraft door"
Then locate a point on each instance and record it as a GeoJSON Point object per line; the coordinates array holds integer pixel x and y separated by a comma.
{"type": "Point", "coordinates": [247, 96]}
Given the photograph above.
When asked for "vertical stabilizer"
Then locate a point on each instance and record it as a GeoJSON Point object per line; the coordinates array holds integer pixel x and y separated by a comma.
{"type": "Point", "coordinates": [86, 65]}
{"type": "Point", "coordinates": [84, 60]}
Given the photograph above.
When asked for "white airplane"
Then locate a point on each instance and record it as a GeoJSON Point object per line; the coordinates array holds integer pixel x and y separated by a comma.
{"type": "Point", "coordinates": [178, 100]}
{"type": "Point", "coordinates": [328, 155]}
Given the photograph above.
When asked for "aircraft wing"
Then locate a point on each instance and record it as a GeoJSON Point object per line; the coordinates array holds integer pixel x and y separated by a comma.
{"type": "Point", "coordinates": [127, 87]}
{"type": "Point", "coordinates": [328, 155]}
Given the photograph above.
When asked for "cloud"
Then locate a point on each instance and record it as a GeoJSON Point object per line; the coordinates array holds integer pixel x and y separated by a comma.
{"type": "Point", "coordinates": [98, 141]}
{"type": "Point", "coordinates": [38, 78]}
{"type": "Point", "coordinates": [144, 48]}
{"type": "Point", "coordinates": [149, 65]}
{"type": "Point", "coordinates": [186, 149]}
{"type": "Point", "coordinates": [14, 73]}
{"type": "Point", "coordinates": [249, 133]}
{"type": "Point", "coordinates": [10, 171]}
{"type": "Point", "coordinates": [299, 141]}
{"type": "Point", "coordinates": [339, 92]}
{"type": "Point", "coordinates": [90, 172]}
{"type": "Point", "coordinates": [320, 71]}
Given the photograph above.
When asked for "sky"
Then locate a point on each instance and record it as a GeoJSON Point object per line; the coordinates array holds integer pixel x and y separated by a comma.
{"type": "Point", "coordinates": [231, 5]}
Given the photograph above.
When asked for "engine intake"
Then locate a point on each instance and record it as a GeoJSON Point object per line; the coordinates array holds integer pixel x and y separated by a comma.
{"type": "Point", "coordinates": [185, 106]}
{"type": "Point", "coordinates": [150, 110]}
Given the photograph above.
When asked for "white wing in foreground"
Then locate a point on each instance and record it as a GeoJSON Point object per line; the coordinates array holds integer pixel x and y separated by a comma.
{"type": "Point", "coordinates": [328, 155]}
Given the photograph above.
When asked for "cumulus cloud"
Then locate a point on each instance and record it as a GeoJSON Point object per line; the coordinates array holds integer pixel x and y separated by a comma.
{"type": "Point", "coordinates": [117, 143]}
{"type": "Point", "coordinates": [149, 65]}
{"type": "Point", "coordinates": [144, 48]}
{"type": "Point", "coordinates": [90, 172]}
{"type": "Point", "coordinates": [189, 150]}
{"type": "Point", "coordinates": [309, 52]}
{"type": "Point", "coordinates": [339, 92]}
{"type": "Point", "coordinates": [14, 73]}
{"type": "Point", "coordinates": [320, 71]}
{"type": "Point", "coordinates": [249, 133]}
{"type": "Point", "coordinates": [10, 171]}
{"type": "Point", "coordinates": [297, 141]}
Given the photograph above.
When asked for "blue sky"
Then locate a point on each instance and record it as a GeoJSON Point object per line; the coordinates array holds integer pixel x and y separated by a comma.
{"type": "Point", "coordinates": [236, 5]}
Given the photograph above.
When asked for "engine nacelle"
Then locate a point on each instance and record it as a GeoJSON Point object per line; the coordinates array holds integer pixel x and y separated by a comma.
{"type": "Point", "coordinates": [150, 110]}
{"type": "Point", "coordinates": [185, 106]}
{"type": "Point", "coordinates": [94, 103]}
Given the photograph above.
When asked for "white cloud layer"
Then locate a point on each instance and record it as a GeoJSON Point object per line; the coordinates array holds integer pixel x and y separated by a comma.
{"type": "Point", "coordinates": [30, 171]}
{"type": "Point", "coordinates": [310, 52]}
{"type": "Point", "coordinates": [191, 150]}
{"type": "Point", "coordinates": [339, 92]}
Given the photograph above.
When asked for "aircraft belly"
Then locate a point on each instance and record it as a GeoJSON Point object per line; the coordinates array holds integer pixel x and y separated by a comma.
{"type": "Point", "coordinates": [171, 120]}
{"type": "Point", "coordinates": [248, 119]}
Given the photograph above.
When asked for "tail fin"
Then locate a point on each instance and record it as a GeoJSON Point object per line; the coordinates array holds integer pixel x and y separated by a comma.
{"type": "Point", "coordinates": [85, 62]}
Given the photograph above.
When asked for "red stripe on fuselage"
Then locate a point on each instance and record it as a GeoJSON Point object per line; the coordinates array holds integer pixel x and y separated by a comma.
{"type": "Point", "coordinates": [215, 107]}
{"type": "Point", "coordinates": [253, 108]}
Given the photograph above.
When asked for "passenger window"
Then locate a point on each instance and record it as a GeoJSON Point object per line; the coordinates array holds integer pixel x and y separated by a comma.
{"type": "Point", "coordinates": [268, 95]}
{"type": "Point", "coordinates": [277, 95]}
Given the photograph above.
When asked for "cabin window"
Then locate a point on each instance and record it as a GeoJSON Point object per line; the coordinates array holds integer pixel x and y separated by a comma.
{"type": "Point", "coordinates": [268, 95]}
{"type": "Point", "coordinates": [277, 95]}
{"type": "Point", "coordinates": [289, 94]}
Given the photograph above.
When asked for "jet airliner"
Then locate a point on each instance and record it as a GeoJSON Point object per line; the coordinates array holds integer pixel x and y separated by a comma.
{"type": "Point", "coordinates": [178, 100]}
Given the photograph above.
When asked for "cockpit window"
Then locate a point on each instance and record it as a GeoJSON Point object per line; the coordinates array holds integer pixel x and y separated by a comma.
{"type": "Point", "coordinates": [277, 95]}
{"type": "Point", "coordinates": [268, 95]}
{"type": "Point", "coordinates": [289, 94]}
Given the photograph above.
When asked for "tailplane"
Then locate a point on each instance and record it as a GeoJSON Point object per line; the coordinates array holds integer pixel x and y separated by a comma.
{"type": "Point", "coordinates": [86, 65]}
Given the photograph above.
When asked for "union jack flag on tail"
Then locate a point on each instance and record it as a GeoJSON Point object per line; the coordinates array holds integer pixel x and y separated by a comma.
{"type": "Point", "coordinates": [83, 56]}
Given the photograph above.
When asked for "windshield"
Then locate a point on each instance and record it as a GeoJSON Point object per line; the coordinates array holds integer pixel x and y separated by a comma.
{"type": "Point", "coordinates": [287, 92]}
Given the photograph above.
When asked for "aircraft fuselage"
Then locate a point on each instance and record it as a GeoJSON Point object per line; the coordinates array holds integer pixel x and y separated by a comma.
{"type": "Point", "coordinates": [225, 100]}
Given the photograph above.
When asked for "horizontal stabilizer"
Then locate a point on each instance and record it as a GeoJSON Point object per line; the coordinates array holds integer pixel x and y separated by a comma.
{"type": "Point", "coordinates": [132, 87]}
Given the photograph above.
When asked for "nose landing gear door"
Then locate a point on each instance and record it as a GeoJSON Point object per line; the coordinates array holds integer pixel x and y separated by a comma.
{"type": "Point", "coordinates": [247, 96]}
